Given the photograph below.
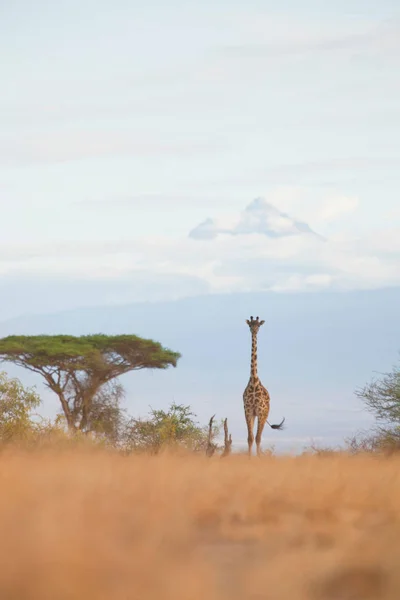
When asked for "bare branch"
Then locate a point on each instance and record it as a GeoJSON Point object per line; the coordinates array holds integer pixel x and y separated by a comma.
{"type": "Point", "coordinates": [210, 446]}
{"type": "Point", "coordinates": [227, 440]}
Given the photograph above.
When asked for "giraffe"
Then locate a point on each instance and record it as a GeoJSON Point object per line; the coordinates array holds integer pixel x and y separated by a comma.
{"type": "Point", "coordinates": [256, 398]}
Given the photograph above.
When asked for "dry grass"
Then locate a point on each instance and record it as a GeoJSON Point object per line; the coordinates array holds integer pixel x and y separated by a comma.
{"type": "Point", "coordinates": [92, 525]}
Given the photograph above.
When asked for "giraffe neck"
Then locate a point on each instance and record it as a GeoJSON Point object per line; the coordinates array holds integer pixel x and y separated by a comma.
{"type": "Point", "coordinates": [253, 365]}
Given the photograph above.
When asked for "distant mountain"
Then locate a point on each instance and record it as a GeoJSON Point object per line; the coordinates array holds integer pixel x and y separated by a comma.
{"type": "Point", "coordinates": [314, 350]}
{"type": "Point", "coordinates": [260, 217]}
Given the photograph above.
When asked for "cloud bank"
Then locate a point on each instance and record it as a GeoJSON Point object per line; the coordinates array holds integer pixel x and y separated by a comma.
{"type": "Point", "coordinates": [261, 248]}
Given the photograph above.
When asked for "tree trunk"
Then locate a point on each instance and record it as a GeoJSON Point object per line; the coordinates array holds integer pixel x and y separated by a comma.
{"type": "Point", "coordinates": [67, 412]}
{"type": "Point", "coordinates": [87, 399]}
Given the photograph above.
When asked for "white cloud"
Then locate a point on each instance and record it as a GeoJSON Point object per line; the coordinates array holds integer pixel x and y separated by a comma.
{"type": "Point", "coordinates": [262, 248]}
{"type": "Point", "coordinates": [380, 38]}
{"type": "Point", "coordinates": [335, 207]}
{"type": "Point", "coordinates": [296, 283]}
{"type": "Point", "coordinates": [61, 145]}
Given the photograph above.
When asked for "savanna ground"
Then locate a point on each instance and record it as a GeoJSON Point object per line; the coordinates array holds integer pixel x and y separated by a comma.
{"type": "Point", "coordinates": [92, 524]}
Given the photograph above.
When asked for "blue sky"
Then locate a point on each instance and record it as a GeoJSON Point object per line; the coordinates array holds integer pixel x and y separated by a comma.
{"type": "Point", "coordinates": [152, 151]}
{"type": "Point", "coordinates": [124, 126]}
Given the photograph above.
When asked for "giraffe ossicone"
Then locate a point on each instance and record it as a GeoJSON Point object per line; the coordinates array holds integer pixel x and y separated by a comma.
{"type": "Point", "coordinates": [256, 397]}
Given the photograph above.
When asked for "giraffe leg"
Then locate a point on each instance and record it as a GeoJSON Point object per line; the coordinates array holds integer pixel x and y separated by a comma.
{"type": "Point", "coordinates": [260, 427]}
{"type": "Point", "coordinates": [250, 434]}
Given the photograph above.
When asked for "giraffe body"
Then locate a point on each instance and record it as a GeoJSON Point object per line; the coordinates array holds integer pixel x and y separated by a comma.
{"type": "Point", "coordinates": [256, 397]}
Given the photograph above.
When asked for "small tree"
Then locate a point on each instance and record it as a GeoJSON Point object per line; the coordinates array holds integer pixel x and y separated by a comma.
{"type": "Point", "coordinates": [382, 399]}
{"type": "Point", "coordinates": [76, 368]}
{"type": "Point", "coordinates": [173, 428]}
{"type": "Point", "coordinates": [17, 406]}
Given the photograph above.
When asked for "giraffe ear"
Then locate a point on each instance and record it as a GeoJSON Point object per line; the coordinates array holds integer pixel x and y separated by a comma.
{"type": "Point", "coordinates": [262, 322]}
{"type": "Point", "coordinates": [248, 322]}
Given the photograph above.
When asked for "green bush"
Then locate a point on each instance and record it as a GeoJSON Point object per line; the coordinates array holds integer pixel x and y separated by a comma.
{"type": "Point", "coordinates": [172, 429]}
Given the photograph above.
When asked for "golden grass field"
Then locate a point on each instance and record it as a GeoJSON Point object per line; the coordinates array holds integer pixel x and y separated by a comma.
{"type": "Point", "coordinates": [93, 525]}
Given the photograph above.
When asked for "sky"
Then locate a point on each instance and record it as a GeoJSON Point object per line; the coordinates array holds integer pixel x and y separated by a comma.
{"type": "Point", "coordinates": [153, 151]}
{"type": "Point", "coordinates": [127, 128]}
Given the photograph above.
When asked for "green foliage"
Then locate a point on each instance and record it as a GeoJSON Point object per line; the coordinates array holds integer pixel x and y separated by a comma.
{"type": "Point", "coordinates": [76, 368]}
{"type": "Point", "coordinates": [382, 398]}
{"type": "Point", "coordinates": [17, 406]}
{"type": "Point", "coordinates": [108, 423]}
{"type": "Point", "coordinates": [174, 428]}
{"type": "Point", "coordinates": [107, 420]}
{"type": "Point", "coordinates": [125, 352]}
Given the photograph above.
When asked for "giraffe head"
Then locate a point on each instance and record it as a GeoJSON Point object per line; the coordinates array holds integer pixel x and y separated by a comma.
{"type": "Point", "coordinates": [254, 324]}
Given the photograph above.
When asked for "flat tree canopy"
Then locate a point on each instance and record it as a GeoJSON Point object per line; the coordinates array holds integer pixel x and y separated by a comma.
{"type": "Point", "coordinates": [75, 368]}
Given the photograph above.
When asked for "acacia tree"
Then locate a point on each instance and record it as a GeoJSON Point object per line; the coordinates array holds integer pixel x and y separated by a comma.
{"type": "Point", "coordinates": [76, 368]}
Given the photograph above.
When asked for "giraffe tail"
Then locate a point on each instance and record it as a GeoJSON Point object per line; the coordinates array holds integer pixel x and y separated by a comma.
{"type": "Point", "coordinates": [279, 426]}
